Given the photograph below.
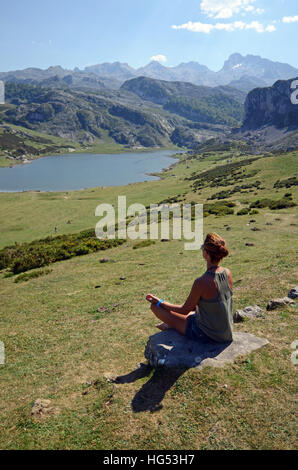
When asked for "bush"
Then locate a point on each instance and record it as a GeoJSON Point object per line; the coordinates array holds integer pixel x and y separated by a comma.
{"type": "Point", "coordinates": [27, 276]}
{"type": "Point", "coordinates": [219, 208]}
{"type": "Point", "coordinates": [273, 205]}
{"type": "Point", "coordinates": [143, 243]}
{"type": "Point", "coordinates": [292, 181]}
{"type": "Point", "coordinates": [282, 204]}
{"type": "Point", "coordinates": [243, 211]}
{"type": "Point", "coordinates": [39, 253]}
{"type": "Point", "coordinates": [260, 203]}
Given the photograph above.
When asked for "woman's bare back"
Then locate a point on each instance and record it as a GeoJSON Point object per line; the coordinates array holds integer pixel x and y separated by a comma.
{"type": "Point", "coordinates": [209, 285]}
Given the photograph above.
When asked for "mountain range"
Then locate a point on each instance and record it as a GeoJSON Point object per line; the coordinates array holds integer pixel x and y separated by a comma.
{"type": "Point", "coordinates": [143, 112]}
{"type": "Point", "coordinates": [147, 112]}
{"type": "Point", "coordinates": [241, 72]}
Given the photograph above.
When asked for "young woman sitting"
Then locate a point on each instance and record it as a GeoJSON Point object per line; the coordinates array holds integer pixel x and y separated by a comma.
{"type": "Point", "coordinates": [207, 312]}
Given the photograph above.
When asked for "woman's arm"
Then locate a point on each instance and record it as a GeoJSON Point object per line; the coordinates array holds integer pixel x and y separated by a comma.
{"type": "Point", "coordinates": [188, 306]}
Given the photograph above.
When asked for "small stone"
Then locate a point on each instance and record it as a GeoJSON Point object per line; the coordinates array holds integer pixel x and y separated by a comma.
{"type": "Point", "coordinates": [102, 309]}
{"type": "Point", "coordinates": [122, 278]}
{"type": "Point", "coordinates": [249, 244]}
{"type": "Point", "coordinates": [248, 312]}
{"type": "Point", "coordinates": [275, 303]}
{"type": "Point", "coordinates": [96, 287]}
{"type": "Point", "coordinates": [293, 294]}
{"type": "Point", "coordinates": [255, 229]}
{"type": "Point", "coordinates": [228, 228]}
{"type": "Point", "coordinates": [42, 408]}
{"type": "Point", "coordinates": [164, 240]}
{"type": "Point", "coordinates": [252, 220]}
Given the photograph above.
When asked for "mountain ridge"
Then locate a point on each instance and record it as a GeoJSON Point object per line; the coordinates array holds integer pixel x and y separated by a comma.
{"type": "Point", "coordinates": [257, 71]}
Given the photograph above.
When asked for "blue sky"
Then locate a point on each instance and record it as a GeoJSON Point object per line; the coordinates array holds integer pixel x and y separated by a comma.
{"type": "Point", "coordinates": [70, 33]}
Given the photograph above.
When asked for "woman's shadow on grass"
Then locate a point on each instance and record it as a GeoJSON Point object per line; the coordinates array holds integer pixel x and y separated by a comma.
{"type": "Point", "coordinates": [150, 396]}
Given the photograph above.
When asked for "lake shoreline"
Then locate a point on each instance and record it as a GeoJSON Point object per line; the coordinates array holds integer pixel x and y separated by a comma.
{"type": "Point", "coordinates": [137, 153]}
{"type": "Point", "coordinates": [91, 151]}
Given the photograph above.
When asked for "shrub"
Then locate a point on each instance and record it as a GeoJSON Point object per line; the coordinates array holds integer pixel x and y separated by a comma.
{"type": "Point", "coordinates": [143, 243]}
{"type": "Point", "coordinates": [219, 208]}
{"type": "Point", "coordinates": [39, 253]}
{"type": "Point", "coordinates": [260, 203]}
{"type": "Point", "coordinates": [27, 276]}
{"type": "Point", "coordinates": [243, 211]}
{"type": "Point", "coordinates": [292, 181]}
{"type": "Point", "coordinates": [282, 204]}
{"type": "Point", "coordinates": [273, 205]}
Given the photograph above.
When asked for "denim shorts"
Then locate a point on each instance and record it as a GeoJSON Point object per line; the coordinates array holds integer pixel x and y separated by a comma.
{"type": "Point", "coordinates": [194, 332]}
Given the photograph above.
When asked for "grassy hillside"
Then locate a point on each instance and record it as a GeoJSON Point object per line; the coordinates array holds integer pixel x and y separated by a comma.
{"type": "Point", "coordinates": [18, 144]}
{"type": "Point", "coordinates": [80, 321]}
{"type": "Point", "coordinates": [219, 105]}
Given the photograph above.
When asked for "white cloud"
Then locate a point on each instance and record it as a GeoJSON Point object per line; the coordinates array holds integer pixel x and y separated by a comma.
{"type": "Point", "coordinates": [196, 27]}
{"type": "Point", "coordinates": [206, 28]}
{"type": "Point", "coordinates": [290, 19]}
{"type": "Point", "coordinates": [226, 8]}
{"type": "Point", "coordinates": [270, 28]}
{"type": "Point", "coordinates": [159, 58]}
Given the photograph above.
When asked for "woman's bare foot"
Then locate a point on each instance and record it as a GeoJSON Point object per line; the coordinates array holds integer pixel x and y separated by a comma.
{"type": "Point", "coordinates": [163, 326]}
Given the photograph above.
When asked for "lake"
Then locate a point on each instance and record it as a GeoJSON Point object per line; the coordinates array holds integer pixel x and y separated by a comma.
{"type": "Point", "coordinates": [70, 172]}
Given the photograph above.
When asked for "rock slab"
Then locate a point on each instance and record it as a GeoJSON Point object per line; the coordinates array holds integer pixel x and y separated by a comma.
{"type": "Point", "coordinates": [171, 349]}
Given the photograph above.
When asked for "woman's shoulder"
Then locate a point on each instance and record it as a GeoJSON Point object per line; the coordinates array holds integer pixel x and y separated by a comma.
{"type": "Point", "coordinates": [229, 275]}
{"type": "Point", "coordinates": [228, 270]}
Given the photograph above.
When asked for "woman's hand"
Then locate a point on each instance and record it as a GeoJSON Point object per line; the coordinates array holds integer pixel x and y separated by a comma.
{"type": "Point", "coordinates": [152, 299]}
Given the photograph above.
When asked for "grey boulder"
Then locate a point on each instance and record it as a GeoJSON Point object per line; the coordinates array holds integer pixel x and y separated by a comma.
{"type": "Point", "coordinates": [248, 312]}
{"type": "Point", "coordinates": [275, 303]}
{"type": "Point", "coordinates": [293, 294]}
{"type": "Point", "coordinates": [172, 349]}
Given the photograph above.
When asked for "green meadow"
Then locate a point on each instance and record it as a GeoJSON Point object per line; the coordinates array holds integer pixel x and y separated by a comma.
{"type": "Point", "coordinates": [71, 327]}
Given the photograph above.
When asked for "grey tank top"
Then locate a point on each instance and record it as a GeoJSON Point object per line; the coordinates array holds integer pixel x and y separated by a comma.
{"type": "Point", "coordinates": [215, 316]}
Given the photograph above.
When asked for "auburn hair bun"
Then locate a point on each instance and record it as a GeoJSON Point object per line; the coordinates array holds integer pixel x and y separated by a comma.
{"type": "Point", "coordinates": [215, 246]}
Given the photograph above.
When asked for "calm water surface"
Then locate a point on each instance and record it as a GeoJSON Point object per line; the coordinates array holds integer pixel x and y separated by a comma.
{"type": "Point", "coordinates": [70, 172]}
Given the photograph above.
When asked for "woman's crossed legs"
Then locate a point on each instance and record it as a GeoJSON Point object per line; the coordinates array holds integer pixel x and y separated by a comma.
{"type": "Point", "coordinates": [170, 319]}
